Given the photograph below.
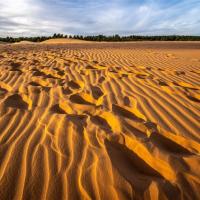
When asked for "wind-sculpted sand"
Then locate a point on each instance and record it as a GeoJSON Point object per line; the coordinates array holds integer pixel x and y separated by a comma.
{"type": "Point", "coordinates": [100, 121]}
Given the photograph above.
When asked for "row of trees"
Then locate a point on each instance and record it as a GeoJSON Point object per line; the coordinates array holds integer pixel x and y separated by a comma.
{"type": "Point", "coordinates": [100, 38]}
{"type": "Point", "coordinates": [142, 38]}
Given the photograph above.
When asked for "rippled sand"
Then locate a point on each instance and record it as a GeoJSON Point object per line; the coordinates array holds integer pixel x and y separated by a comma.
{"type": "Point", "coordinates": [100, 121]}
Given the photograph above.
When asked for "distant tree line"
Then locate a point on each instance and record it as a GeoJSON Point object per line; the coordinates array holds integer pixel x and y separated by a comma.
{"type": "Point", "coordinates": [31, 39]}
{"type": "Point", "coordinates": [101, 38]}
{"type": "Point", "coordinates": [141, 38]}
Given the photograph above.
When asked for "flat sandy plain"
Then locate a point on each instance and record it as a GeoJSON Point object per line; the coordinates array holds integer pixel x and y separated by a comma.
{"type": "Point", "coordinates": [100, 121]}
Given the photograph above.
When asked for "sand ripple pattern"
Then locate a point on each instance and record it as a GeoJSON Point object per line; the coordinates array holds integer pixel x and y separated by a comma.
{"type": "Point", "coordinates": [99, 123]}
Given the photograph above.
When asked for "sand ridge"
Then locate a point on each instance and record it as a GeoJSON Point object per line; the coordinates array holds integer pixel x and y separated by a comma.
{"type": "Point", "coordinates": [99, 123]}
{"type": "Point", "coordinates": [64, 41]}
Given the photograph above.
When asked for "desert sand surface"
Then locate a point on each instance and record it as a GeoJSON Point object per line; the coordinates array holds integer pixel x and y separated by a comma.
{"type": "Point", "coordinates": [100, 121]}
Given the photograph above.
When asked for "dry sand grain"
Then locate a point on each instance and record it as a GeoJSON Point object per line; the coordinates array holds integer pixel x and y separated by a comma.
{"type": "Point", "coordinates": [100, 121]}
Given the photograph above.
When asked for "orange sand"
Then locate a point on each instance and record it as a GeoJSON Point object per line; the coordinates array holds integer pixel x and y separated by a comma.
{"type": "Point", "coordinates": [100, 121]}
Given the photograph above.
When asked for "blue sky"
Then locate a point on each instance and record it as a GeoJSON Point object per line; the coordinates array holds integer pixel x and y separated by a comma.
{"type": "Point", "coordinates": [125, 17]}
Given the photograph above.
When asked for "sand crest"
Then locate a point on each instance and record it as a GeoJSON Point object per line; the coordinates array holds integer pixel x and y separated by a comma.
{"type": "Point", "coordinates": [64, 41]}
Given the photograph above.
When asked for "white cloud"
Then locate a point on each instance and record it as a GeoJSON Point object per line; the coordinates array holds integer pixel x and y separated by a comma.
{"type": "Point", "coordinates": [37, 17]}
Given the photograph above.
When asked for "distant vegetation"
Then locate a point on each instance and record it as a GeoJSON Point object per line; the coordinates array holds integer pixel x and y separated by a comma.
{"type": "Point", "coordinates": [101, 38]}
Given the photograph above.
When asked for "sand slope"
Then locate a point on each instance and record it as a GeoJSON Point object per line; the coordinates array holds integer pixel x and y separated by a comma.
{"type": "Point", "coordinates": [99, 123]}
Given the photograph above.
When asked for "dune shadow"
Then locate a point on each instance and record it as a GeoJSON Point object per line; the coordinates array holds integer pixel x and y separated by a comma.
{"type": "Point", "coordinates": [56, 109]}
{"type": "Point", "coordinates": [3, 91]}
{"type": "Point", "coordinates": [125, 113]}
{"type": "Point", "coordinates": [102, 123]}
{"type": "Point", "coordinates": [16, 101]}
{"type": "Point", "coordinates": [37, 72]}
{"type": "Point", "coordinates": [96, 92]}
{"type": "Point", "coordinates": [75, 98]}
{"type": "Point", "coordinates": [73, 85]}
{"type": "Point", "coordinates": [193, 98]}
{"type": "Point", "coordinates": [101, 79]}
{"type": "Point", "coordinates": [79, 120]}
{"type": "Point", "coordinates": [169, 145]}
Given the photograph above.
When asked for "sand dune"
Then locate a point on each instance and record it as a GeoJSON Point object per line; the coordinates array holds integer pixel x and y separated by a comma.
{"type": "Point", "coordinates": [64, 41]}
{"type": "Point", "coordinates": [99, 122]}
{"type": "Point", "coordinates": [24, 42]}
